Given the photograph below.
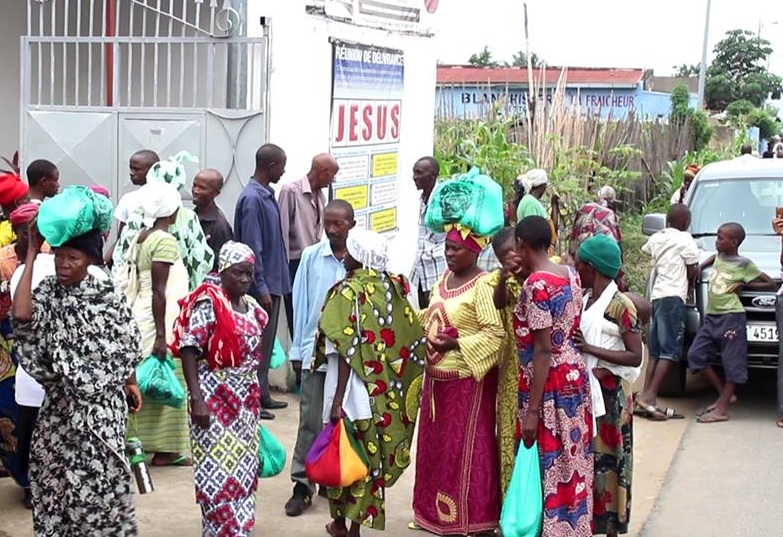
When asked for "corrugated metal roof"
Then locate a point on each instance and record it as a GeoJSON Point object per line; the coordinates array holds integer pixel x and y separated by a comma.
{"type": "Point", "coordinates": [461, 74]}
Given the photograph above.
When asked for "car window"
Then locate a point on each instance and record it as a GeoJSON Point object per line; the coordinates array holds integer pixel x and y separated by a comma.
{"type": "Point", "coordinates": [750, 202]}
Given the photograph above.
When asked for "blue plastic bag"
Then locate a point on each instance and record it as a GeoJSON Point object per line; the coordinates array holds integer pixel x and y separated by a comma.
{"type": "Point", "coordinates": [157, 381]}
{"type": "Point", "coordinates": [278, 355]}
{"type": "Point", "coordinates": [523, 506]}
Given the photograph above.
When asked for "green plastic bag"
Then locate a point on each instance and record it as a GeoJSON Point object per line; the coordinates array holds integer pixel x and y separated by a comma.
{"type": "Point", "coordinates": [523, 506]}
{"type": "Point", "coordinates": [278, 355]}
{"type": "Point", "coordinates": [157, 381]}
{"type": "Point", "coordinates": [472, 199]}
{"type": "Point", "coordinates": [271, 454]}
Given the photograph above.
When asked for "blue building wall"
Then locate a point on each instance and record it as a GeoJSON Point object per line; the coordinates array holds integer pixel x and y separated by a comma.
{"type": "Point", "coordinates": [472, 102]}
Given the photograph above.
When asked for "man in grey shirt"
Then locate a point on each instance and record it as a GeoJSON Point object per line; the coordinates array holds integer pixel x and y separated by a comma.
{"type": "Point", "coordinates": [301, 215]}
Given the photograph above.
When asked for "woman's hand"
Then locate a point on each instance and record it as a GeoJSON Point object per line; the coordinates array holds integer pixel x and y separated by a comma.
{"type": "Point", "coordinates": [512, 263]}
{"type": "Point", "coordinates": [777, 225]}
{"type": "Point", "coordinates": [159, 348]}
{"type": "Point", "coordinates": [199, 413]}
{"type": "Point", "coordinates": [35, 241]}
{"type": "Point", "coordinates": [443, 342]}
{"type": "Point", "coordinates": [580, 343]}
{"type": "Point", "coordinates": [529, 428]}
{"type": "Point", "coordinates": [133, 395]}
{"type": "Point", "coordinates": [336, 414]}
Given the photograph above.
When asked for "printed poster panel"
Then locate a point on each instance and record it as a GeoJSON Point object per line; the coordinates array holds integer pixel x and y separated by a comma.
{"type": "Point", "coordinates": [365, 131]}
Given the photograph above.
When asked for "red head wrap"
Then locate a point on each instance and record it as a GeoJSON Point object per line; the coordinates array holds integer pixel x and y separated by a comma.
{"type": "Point", "coordinates": [23, 214]}
{"type": "Point", "coordinates": [468, 241]}
{"type": "Point", "coordinates": [102, 190]}
{"type": "Point", "coordinates": [11, 188]}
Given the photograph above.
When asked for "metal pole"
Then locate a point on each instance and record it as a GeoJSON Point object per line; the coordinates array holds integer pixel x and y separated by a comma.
{"type": "Point", "coordinates": [236, 72]}
{"type": "Point", "coordinates": [703, 66]}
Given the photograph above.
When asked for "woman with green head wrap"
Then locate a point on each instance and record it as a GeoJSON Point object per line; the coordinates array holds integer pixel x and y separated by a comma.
{"type": "Point", "coordinates": [75, 335]}
{"type": "Point", "coordinates": [610, 339]}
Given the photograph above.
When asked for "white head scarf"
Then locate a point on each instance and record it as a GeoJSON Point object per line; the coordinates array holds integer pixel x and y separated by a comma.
{"type": "Point", "coordinates": [368, 248]}
{"type": "Point", "coordinates": [533, 178]}
{"type": "Point", "coordinates": [158, 200]}
{"type": "Point", "coordinates": [606, 195]}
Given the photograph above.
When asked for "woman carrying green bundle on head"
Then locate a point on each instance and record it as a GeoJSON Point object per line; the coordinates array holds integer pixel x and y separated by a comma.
{"type": "Point", "coordinates": [76, 336]}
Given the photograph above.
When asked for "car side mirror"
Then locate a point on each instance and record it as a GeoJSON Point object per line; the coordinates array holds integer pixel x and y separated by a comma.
{"type": "Point", "coordinates": [652, 223]}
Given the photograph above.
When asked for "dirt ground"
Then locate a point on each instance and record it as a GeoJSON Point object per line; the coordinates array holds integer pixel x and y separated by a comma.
{"type": "Point", "coordinates": [171, 509]}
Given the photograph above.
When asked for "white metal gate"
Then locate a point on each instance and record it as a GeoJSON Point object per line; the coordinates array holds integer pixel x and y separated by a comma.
{"type": "Point", "coordinates": [102, 79]}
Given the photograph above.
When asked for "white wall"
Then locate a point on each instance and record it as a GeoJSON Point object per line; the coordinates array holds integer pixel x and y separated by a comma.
{"type": "Point", "coordinates": [300, 100]}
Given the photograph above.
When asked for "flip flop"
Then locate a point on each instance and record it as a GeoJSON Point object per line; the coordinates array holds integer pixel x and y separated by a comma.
{"type": "Point", "coordinates": [710, 408]}
{"type": "Point", "coordinates": [331, 530]}
{"type": "Point", "coordinates": [709, 417]}
{"type": "Point", "coordinates": [413, 526]}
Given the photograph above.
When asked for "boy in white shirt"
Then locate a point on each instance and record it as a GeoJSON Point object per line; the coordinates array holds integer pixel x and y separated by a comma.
{"type": "Point", "coordinates": [676, 260]}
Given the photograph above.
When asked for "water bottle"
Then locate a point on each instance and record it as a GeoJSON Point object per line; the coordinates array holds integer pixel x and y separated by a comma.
{"type": "Point", "coordinates": [138, 462]}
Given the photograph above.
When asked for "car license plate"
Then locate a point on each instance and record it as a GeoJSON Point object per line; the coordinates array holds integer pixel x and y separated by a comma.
{"type": "Point", "coordinates": [762, 333]}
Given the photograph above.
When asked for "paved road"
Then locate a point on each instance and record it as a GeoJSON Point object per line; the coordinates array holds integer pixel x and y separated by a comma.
{"type": "Point", "coordinates": [726, 477]}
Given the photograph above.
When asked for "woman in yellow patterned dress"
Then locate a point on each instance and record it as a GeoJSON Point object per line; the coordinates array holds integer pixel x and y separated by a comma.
{"type": "Point", "coordinates": [459, 493]}
{"type": "Point", "coordinates": [506, 284]}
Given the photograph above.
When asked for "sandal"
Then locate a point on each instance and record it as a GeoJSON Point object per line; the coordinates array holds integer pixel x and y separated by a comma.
{"type": "Point", "coordinates": [415, 527]}
{"type": "Point", "coordinates": [711, 407]}
{"type": "Point", "coordinates": [711, 417]}
{"type": "Point", "coordinates": [331, 530]}
{"type": "Point", "coordinates": [671, 413]}
{"type": "Point", "coordinates": [650, 412]}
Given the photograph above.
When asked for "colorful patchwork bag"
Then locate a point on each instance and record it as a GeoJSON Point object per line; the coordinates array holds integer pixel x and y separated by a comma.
{"type": "Point", "coordinates": [336, 458]}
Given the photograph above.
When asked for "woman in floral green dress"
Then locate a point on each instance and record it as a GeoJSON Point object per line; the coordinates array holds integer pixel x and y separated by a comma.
{"type": "Point", "coordinates": [373, 346]}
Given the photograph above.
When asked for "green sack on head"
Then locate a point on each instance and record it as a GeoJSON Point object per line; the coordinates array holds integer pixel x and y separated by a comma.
{"type": "Point", "coordinates": [271, 454]}
{"type": "Point", "coordinates": [73, 212]}
{"type": "Point", "coordinates": [278, 355]}
{"type": "Point", "coordinates": [523, 506]}
{"type": "Point", "coordinates": [157, 381]}
{"type": "Point", "coordinates": [473, 200]}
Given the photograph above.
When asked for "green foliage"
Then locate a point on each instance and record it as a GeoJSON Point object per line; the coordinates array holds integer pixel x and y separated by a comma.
{"type": "Point", "coordinates": [483, 59]}
{"type": "Point", "coordinates": [575, 174]}
{"type": "Point", "coordinates": [520, 59]}
{"type": "Point", "coordinates": [739, 109]}
{"type": "Point", "coordinates": [737, 72]}
{"type": "Point", "coordinates": [743, 114]}
{"type": "Point", "coordinates": [461, 144]}
{"type": "Point", "coordinates": [686, 70]}
{"type": "Point", "coordinates": [766, 120]}
{"type": "Point", "coordinates": [636, 265]}
{"type": "Point", "coordinates": [696, 121]}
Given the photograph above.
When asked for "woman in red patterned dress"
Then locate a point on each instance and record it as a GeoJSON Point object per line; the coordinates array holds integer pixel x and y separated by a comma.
{"type": "Point", "coordinates": [554, 390]}
{"type": "Point", "coordinates": [218, 336]}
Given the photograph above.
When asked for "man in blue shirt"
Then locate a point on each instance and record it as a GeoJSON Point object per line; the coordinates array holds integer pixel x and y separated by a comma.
{"type": "Point", "coordinates": [257, 224]}
{"type": "Point", "coordinates": [321, 267]}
